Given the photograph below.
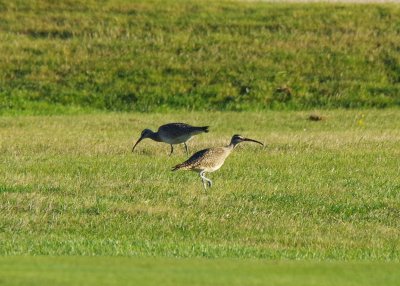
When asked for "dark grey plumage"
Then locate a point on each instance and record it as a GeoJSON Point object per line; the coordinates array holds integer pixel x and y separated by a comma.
{"type": "Point", "coordinates": [173, 133]}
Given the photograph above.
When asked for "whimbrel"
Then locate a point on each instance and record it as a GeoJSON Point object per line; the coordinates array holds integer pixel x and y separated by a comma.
{"type": "Point", "coordinates": [210, 160]}
{"type": "Point", "coordinates": [172, 133]}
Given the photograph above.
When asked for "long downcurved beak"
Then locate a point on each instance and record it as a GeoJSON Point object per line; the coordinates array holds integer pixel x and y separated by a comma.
{"type": "Point", "coordinates": [140, 139]}
{"type": "Point", "coordinates": [252, 140]}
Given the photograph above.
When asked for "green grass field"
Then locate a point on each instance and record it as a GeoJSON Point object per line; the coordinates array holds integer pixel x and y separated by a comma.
{"type": "Point", "coordinates": [319, 190]}
{"type": "Point", "coordinates": [122, 55]}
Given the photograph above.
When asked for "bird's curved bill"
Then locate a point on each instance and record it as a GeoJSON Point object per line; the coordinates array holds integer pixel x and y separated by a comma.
{"type": "Point", "coordinates": [252, 140]}
{"type": "Point", "coordinates": [140, 139]}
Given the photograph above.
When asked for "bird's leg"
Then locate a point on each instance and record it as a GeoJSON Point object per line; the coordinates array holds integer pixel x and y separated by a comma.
{"type": "Point", "coordinates": [209, 182]}
{"type": "Point", "coordinates": [186, 148]}
{"type": "Point", "coordinates": [172, 150]}
{"type": "Point", "coordinates": [204, 184]}
{"type": "Point", "coordinates": [203, 178]}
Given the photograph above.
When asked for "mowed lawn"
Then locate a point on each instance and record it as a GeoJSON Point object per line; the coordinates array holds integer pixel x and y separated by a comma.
{"type": "Point", "coordinates": [166, 271]}
{"type": "Point", "coordinates": [327, 190]}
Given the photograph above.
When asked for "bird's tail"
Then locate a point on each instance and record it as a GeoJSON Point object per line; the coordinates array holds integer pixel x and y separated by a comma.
{"type": "Point", "coordinates": [183, 166]}
{"type": "Point", "coordinates": [202, 129]}
{"type": "Point", "coordinates": [177, 167]}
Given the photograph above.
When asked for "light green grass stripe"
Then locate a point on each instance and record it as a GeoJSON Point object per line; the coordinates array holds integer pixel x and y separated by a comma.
{"type": "Point", "coordinates": [155, 271]}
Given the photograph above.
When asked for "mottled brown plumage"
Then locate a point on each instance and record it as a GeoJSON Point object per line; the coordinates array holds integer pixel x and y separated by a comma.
{"type": "Point", "coordinates": [207, 159]}
{"type": "Point", "coordinates": [172, 133]}
{"type": "Point", "coordinates": [210, 160]}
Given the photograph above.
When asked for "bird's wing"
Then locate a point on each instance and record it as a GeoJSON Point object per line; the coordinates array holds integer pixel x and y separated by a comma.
{"type": "Point", "coordinates": [175, 129]}
{"type": "Point", "coordinates": [193, 161]}
{"type": "Point", "coordinates": [201, 157]}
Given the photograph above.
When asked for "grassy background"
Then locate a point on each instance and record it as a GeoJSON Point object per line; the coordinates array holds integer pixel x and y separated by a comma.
{"type": "Point", "coordinates": [79, 56]}
{"type": "Point", "coordinates": [156, 271]}
{"type": "Point", "coordinates": [326, 190]}
{"type": "Point", "coordinates": [319, 190]}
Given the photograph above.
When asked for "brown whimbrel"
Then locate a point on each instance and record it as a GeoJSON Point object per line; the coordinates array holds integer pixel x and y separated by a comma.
{"type": "Point", "coordinates": [210, 160]}
{"type": "Point", "coordinates": [172, 133]}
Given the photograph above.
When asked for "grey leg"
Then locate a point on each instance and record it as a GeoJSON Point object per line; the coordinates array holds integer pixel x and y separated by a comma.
{"type": "Point", "coordinates": [204, 179]}
{"type": "Point", "coordinates": [209, 182]}
{"type": "Point", "coordinates": [186, 148]}
{"type": "Point", "coordinates": [172, 150]}
{"type": "Point", "coordinates": [204, 185]}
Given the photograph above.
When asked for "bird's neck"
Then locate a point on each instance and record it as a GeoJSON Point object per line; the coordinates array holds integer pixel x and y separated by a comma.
{"type": "Point", "coordinates": [231, 146]}
{"type": "Point", "coordinates": [155, 136]}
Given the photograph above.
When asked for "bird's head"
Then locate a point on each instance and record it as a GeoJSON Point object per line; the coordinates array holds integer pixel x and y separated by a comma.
{"type": "Point", "coordinates": [146, 133]}
{"type": "Point", "coordinates": [236, 139]}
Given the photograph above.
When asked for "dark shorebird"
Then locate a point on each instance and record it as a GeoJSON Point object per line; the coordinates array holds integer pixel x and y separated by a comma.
{"type": "Point", "coordinates": [172, 133]}
{"type": "Point", "coordinates": [210, 160]}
